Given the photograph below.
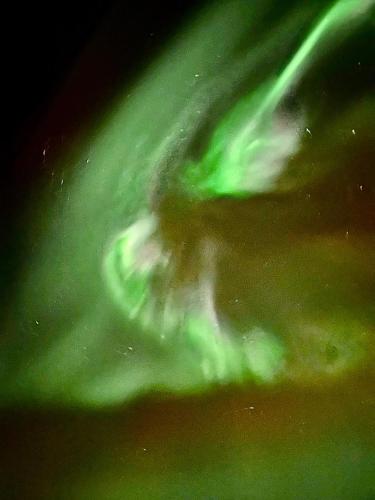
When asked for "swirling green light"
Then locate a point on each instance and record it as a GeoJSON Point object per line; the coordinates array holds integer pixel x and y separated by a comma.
{"type": "Point", "coordinates": [96, 332]}
{"type": "Point", "coordinates": [246, 154]}
{"type": "Point", "coordinates": [248, 151]}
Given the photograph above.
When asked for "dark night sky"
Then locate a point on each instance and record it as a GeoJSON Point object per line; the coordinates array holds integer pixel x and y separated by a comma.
{"type": "Point", "coordinates": [43, 42]}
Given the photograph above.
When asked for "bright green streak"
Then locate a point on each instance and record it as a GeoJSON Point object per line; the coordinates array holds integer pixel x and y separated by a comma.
{"type": "Point", "coordinates": [247, 152]}
{"type": "Point", "coordinates": [343, 12]}
{"type": "Point", "coordinates": [92, 331]}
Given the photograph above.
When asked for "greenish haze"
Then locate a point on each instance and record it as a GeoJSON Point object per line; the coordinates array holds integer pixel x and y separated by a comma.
{"type": "Point", "coordinates": [88, 326]}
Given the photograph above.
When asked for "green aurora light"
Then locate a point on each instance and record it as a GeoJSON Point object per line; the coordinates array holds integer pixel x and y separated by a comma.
{"type": "Point", "coordinates": [100, 332]}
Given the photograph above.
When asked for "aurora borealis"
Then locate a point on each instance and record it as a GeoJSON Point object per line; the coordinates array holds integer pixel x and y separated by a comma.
{"type": "Point", "coordinates": [102, 256]}
{"type": "Point", "coordinates": [205, 248]}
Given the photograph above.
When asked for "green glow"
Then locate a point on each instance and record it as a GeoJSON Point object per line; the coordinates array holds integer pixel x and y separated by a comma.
{"type": "Point", "coordinates": [129, 273]}
{"type": "Point", "coordinates": [235, 164]}
{"type": "Point", "coordinates": [248, 151]}
{"type": "Point", "coordinates": [93, 328]}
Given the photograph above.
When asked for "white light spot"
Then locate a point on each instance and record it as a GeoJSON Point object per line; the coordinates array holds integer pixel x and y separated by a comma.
{"type": "Point", "coordinates": [308, 131]}
{"type": "Point", "coordinates": [353, 131]}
